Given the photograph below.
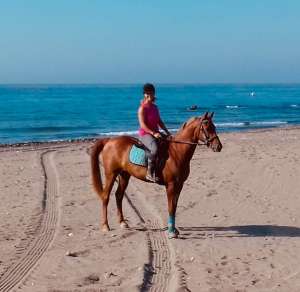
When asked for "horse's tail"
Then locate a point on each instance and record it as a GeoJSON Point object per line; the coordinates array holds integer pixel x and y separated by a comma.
{"type": "Point", "coordinates": [96, 175]}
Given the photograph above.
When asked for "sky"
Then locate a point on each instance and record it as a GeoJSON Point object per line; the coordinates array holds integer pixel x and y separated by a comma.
{"type": "Point", "coordinates": [89, 41]}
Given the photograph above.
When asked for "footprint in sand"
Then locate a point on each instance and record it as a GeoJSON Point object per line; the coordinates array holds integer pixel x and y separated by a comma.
{"type": "Point", "coordinates": [211, 193]}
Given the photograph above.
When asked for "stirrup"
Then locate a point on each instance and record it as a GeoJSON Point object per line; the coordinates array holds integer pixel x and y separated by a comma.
{"type": "Point", "coordinates": [150, 178]}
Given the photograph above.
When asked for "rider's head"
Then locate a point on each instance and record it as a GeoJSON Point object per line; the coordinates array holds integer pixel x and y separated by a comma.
{"type": "Point", "coordinates": [149, 92]}
{"type": "Point", "coordinates": [149, 89]}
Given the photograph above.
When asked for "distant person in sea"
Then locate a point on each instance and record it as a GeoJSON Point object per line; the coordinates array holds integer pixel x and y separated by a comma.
{"type": "Point", "coordinates": [150, 122]}
{"type": "Point", "coordinates": [193, 107]}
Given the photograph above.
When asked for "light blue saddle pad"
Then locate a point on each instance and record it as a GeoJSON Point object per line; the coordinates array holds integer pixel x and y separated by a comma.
{"type": "Point", "coordinates": [137, 156]}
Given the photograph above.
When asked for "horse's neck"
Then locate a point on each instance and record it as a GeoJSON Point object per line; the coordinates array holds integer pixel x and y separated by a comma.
{"type": "Point", "coordinates": [184, 151]}
{"type": "Point", "coordinates": [186, 135]}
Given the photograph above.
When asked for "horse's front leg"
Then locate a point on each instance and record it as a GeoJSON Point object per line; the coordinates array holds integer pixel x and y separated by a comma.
{"type": "Point", "coordinates": [173, 192]}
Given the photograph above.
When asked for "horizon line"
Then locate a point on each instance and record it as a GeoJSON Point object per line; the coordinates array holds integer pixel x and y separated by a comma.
{"type": "Point", "coordinates": [140, 83]}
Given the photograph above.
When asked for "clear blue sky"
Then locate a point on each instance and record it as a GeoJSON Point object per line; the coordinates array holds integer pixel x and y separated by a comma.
{"type": "Point", "coordinates": [89, 41]}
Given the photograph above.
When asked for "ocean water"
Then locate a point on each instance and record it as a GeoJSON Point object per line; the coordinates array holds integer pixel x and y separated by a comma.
{"type": "Point", "coordinates": [62, 112]}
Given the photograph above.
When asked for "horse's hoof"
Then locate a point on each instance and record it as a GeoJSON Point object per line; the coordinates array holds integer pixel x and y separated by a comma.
{"type": "Point", "coordinates": [105, 228]}
{"type": "Point", "coordinates": [124, 225]}
{"type": "Point", "coordinates": [173, 234]}
{"type": "Point", "coordinates": [176, 231]}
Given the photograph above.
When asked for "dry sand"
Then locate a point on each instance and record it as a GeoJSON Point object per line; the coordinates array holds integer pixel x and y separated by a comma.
{"type": "Point", "coordinates": [238, 217]}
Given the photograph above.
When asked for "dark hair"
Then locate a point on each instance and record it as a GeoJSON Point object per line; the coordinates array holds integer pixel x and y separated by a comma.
{"type": "Point", "coordinates": [148, 87]}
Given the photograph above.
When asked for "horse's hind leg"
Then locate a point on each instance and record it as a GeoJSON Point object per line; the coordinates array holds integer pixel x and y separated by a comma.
{"type": "Point", "coordinates": [123, 183]}
{"type": "Point", "coordinates": [109, 182]}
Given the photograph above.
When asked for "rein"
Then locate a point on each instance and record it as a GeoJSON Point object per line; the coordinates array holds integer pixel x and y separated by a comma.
{"type": "Point", "coordinates": [204, 143]}
{"type": "Point", "coordinates": [187, 142]}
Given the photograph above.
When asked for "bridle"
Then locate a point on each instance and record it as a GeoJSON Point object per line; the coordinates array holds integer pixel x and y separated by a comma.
{"type": "Point", "coordinates": [205, 142]}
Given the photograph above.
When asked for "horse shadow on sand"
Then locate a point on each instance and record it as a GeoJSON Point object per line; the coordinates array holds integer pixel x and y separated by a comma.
{"type": "Point", "coordinates": [233, 231]}
{"type": "Point", "coordinates": [239, 231]}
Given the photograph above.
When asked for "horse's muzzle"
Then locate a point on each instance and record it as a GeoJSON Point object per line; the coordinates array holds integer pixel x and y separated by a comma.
{"type": "Point", "coordinates": [216, 146]}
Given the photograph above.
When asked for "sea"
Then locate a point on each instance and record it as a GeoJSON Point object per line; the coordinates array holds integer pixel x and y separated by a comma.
{"type": "Point", "coordinates": [37, 113]}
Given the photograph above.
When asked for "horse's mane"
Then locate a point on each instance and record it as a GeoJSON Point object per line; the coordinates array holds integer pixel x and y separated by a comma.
{"type": "Point", "coordinates": [185, 124]}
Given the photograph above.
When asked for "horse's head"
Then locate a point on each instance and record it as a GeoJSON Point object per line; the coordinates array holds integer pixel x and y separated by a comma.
{"type": "Point", "coordinates": [207, 132]}
{"type": "Point", "coordinates": [201, 129]}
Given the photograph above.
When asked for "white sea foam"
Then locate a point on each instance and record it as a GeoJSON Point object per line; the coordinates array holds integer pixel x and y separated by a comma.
{"type": "Point", "coordinates": [128, 133]}
{"type": "Point", "coordinates": [270, 123]}
{"type": "Point", "coordinates": [119, 133]}
{"type": "Point", "coordinates": [230, 125]}
{"type": "Point", "coordinates": [232, 106]}
{"type": "Point", "coordinates": [247, 124]}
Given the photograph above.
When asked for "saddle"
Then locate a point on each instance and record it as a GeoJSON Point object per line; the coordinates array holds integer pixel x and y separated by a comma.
{"type": "Point", "coordinates": [138, 154]}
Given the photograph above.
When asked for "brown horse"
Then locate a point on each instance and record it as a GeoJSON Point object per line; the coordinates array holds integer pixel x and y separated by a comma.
{"type": "Point", "coordinates": [176, 169]}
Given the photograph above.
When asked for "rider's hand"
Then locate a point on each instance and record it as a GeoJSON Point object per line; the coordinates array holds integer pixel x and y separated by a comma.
{"type": "Point", "coordinates": [157, 135]}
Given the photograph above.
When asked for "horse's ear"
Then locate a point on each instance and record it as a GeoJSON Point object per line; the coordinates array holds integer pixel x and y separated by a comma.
{"type": "Point", "coordinates": [211, 115]}
{"type": "Point", "coordinates": [183, 126]}
{"type": "Point", "coordinates": [205, 116]}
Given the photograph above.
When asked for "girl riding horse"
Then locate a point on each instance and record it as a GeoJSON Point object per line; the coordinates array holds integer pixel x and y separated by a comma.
{"type": "Point", "coordinates": [150, 121]}
{"type": "Point", "coordinates": [115, 153]}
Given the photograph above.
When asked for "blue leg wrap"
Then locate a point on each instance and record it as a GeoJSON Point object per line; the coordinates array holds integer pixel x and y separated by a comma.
{"type": "Point", "coordinates": [171, 224]}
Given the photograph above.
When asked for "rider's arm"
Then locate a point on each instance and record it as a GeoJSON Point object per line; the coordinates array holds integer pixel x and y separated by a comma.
{"type": "Point", "coordinates": [142, 121]}
{"type": "Point", "coordinates": [162, 125]}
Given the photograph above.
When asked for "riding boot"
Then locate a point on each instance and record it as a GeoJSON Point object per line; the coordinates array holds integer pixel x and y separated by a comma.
{"type": "Point", "coordinates": [150, 176]}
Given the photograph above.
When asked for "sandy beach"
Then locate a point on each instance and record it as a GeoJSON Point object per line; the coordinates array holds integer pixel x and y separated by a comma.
{"type": "Point", "coordinates": [238, 217]}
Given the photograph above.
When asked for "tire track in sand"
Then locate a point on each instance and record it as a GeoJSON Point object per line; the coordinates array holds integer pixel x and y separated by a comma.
{"type": "Point", "coordinates": [162, 272]}
{"type": "Point", "coordinates": [44, 233]}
